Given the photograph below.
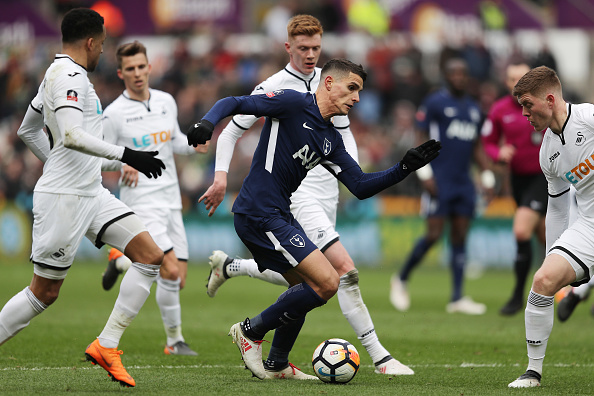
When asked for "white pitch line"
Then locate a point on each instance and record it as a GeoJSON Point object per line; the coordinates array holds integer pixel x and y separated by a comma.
{"type": "Point", "coordinates": [221, 366]}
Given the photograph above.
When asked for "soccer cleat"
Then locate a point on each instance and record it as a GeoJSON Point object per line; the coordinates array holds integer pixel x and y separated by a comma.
{"type": "Point", "coordinates": [290, 372]}
{"type": "Point", "coordinates": [110, 276]}
{"type": "Point", "coordinates": [251, 351]}
{"type": "Point", "coordinates": [466, 306]}
{"type": "Point", "coordinates": [399, 294]}
{"type": "Point", "coordinates": [109, 359]}
{"type": "Point", "coordinates": [392, 366]}
{"type": "Point", "coordinates": [567, 305]}
{"type": "Point", "coordinates": [217, 276]}
{"type": "Point", "coordinates": [180, 348]}
{"type": "Point", "coordinates": [529, 379]}
{"type": "Point", "coordinates": [512, 307]}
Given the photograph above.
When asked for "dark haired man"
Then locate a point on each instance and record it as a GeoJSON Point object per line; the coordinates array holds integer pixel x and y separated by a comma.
{"type": "Point", "coordinates": [69, 201]}
{"type": "Point", "coordinates": [297, 136]}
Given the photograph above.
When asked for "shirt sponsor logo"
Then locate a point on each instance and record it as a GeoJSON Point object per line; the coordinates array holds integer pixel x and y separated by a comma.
{"type": "Point", "coordinates": [579, 172]}
{"type": "Point", "coordinates": [308, 161]}
{"type": "Point", "coordinates": [72, 95]}
{"type": "Point", "coordinates": [297, 240]}
{"type": "Point", "coordinates": [152, 138]}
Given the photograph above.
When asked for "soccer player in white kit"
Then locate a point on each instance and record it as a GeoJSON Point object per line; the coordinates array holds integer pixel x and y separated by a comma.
{"type": "Point", "coordinates": [69, 201]}
{"type": "Point", "coordinates": [313, 204]}
{"type": "Point", "coordinates": [145, 118]}
{"type": "Point", "coordinates": [566, 159]}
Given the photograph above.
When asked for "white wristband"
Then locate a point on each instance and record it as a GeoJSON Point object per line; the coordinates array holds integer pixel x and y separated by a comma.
{"type": "Point", "coordinates": [425, 173]}
{"type": "Point", "coordinates": [488, 179]}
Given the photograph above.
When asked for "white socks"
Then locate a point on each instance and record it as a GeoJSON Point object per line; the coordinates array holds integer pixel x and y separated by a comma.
{"type": "Point", "coordinates": [123, 263]}
{"type": "Point", "coordinates": [242, 267]}
{"type": "Point", "coordinates": [167, 297]}
{"type": "Point", "coordinates": [355, 311]}
{"type": "Point", "coordinates": [582, 291]}
{"type": "Point", "coordinates": [539, 324]}
{"type": "Point", "coordinates": [134, 290]}
{"type": "Point", "coordinates": [18, 312]}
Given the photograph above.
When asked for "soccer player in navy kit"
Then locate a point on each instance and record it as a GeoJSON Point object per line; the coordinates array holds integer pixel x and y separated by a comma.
{"type": "Point", "coordinates": [297, 136]}
{"type": "Point", "coordinates": [451, 116]}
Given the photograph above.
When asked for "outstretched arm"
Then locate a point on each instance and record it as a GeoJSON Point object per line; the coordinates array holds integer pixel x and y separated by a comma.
{"type": "Point", "coordinates": [365, 185]}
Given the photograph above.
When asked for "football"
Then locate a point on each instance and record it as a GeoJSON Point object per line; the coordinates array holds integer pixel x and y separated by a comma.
{"type": "Point", "coordinates": [336, 361]}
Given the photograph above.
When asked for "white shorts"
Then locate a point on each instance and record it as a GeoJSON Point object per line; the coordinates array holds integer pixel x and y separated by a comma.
{"type": "Point", "coordinates": [318, 220]}
{"type": "Point", "coordinates": [576, 245]}
{"type": "Point", "coordinates": [166, 227]}
{"type": "Point", "coordinates": [61, 220]}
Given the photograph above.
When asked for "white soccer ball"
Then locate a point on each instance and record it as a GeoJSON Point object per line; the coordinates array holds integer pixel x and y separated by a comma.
{"type": "Point", "coordinates": [335, 361]}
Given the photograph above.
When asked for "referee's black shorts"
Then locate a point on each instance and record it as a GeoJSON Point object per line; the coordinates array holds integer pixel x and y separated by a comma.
{"type": "Point", "coordinates": [530, 191]}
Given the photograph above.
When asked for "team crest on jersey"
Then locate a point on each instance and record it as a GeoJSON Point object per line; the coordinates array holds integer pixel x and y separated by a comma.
{"type": "Point", "coordinates": [297, 240]}
{"type": "Point", "coordinates": [327, 146]}
{"type": "Point", "coordinates": [581, 139]}
{"type": "Point", "coordinates": [72, 95]}
{"type": "Point", "coordinates": [321, 233]}
{"type": "Point", "coordinates": [275, 93]}
{"type": "Point", "coordinates": [450, 111]}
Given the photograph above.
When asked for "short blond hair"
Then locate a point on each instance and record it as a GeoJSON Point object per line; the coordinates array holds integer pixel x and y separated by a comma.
{"type": "Point", "coordinates": [536, 81]}
{"type": "Point", "coordinates": [304, 25]}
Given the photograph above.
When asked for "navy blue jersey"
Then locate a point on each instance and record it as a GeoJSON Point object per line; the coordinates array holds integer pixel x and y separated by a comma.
{"type": "Point", "coordinates": [295, 138]}
{"type": "Point", "coordinates": [456, 123]}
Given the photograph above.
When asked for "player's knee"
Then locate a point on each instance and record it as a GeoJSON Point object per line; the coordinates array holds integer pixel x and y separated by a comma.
{"type": "Point", "coordinates": [48, 296]}
{"type": "Point", "coordinates": [522, 234]}
{"type": "Point", "coordinates": [349, 279]}
{"type": "Point", "coordinates": [545, 284]}
{"type": "Point", "coordinates": [329, 287]}
{"type": "Point", "coordinates": [169, 270]}
{"type": "Point", "coordinates": [152, 256]}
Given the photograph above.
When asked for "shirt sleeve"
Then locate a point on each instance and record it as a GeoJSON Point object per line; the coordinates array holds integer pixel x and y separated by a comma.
{"type": "Point", "coordinates": [491, 136]}
{"type": "Point", "coordinates": [111, 133]}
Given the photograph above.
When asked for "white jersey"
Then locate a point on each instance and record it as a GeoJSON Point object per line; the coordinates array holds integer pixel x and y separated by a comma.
{"type": "Point", "coordinates": [568, 159]}
{"type": "Point", "coordinates": [148, 126]}
{"type": "Point", "coordinates": [319, 184]}
{"type": "Point", "coordinates": [68, 171]}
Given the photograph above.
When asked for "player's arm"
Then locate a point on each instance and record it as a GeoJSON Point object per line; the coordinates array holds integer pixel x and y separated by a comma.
{"type": "Point", "coordinates": [110, 135]}
{"type": "Point", "coordinates": [32, 134]}
{"type": "Point", "coordinates": [342, 125]}
{"type": "Point", "coordinates": [215, 194]}
{"type": "Point", "coordinates": [491, 134]}
{"type": "Point", "coordinates": [364, 185]}
{"type": "Point", "coordinates": [488, 180]}
{"type": "Point", "coordinates": [557, 218]}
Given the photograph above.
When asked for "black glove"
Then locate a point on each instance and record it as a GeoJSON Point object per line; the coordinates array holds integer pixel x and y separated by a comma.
{"type": "Point", "coordinates": [144, 161]}
{"type": "Point", "coordinates": [418, 157]}
{"type": "Point", "coordinates": [199, 133]}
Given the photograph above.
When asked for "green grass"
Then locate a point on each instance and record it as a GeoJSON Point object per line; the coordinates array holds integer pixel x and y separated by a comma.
{"type": "Point", "coordinates": [451, 354]}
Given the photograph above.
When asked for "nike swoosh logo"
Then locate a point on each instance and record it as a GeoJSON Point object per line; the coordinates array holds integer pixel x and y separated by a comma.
{"type": "Point", "coordinates": [321, 372]}
{"type": "Point", "coordinates": [195, 125]}
{"type": "Point", "coordinates": [305, 126]}
{"type": "Point", "coordinates": [104, 361]}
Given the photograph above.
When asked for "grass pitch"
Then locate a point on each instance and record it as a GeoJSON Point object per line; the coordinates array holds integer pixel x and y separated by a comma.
{"type": "Point", "coordinates": [451, 354]}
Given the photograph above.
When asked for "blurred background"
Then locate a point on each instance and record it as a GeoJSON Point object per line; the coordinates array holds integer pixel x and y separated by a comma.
{"type": "Point", "coordinates": [203, 50]}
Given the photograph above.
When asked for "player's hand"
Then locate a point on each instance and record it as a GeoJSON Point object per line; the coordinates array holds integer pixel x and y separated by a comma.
{"type": "Point", "coordinates": [144, 161]}
{"type": "Point", "coordinates": [129, 176]}
{"type": "Point", "coordinates": [506, 153]}
{"type": "Point", "coordinates": [203, 148]}
{"type": "Point", "coordinates": [216, 193]}
{"type": "Point", "coordinates": [420, 156]}
{"type": "Point", "coordinates": [200, 133]}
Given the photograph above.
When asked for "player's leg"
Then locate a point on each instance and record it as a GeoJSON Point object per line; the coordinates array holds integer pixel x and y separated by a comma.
{"type": "Point", "coordinates": [399, 296]}
{"type": "Point", "coordinates": [555, 272]}
{"type": "Point", "coordinates": [355, 311]}
{"type": "Point", "coordinates": [572, 299]}
{"type": "Point", "coordinates": [280, 244]}
{"type": "Point", "coordinates": [167, 231]}
{"type": "Point", "coordinates": [223, 267]}
{"type": "Point", "coordinates": [460, 224]}
{"type": "Point", "coordinates": [117, 226]}
{"type": "Point", "coordinates": [117, 263]}
{"type": "Point", "coordinates": [59, 224]}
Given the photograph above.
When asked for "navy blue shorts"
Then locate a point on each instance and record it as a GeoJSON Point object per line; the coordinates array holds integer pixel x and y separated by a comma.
{"type": "Point", "coordinates": [450, 201]}
{"type": "Point", "coordinates": [277, 243]}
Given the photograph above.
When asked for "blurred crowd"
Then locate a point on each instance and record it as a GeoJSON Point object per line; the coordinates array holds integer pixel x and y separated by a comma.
{"type": "Point", "coordinates": [400, 76]}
